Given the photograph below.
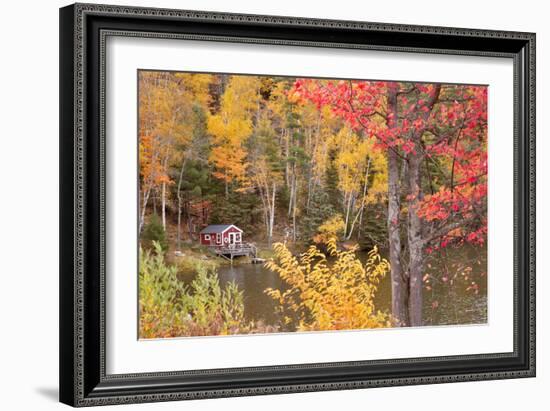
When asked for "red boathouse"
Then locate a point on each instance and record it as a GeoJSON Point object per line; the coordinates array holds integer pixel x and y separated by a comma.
{"type": "Point", "coordinates": [221, 235]}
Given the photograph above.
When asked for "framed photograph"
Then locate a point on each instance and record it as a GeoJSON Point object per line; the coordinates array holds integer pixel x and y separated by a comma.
{"type": "Point", "coordinates": [260, 204]}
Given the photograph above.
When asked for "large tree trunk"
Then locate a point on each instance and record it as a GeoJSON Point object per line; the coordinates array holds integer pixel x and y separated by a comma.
{"type": "Point", "coordinates": [398, 284]}
{"type": "Point", "coordinates": [414, 233]}
{"type": "Point", "coordinates": [415, 242]}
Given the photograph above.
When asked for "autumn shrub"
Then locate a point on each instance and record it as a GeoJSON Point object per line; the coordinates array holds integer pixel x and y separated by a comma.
{"type": "Point", "coordinates": [168, 308]}
{"type": "Point", "coordinates": [154, 231]}
{"type": "Point", "coordinates": [333, 293]}
{"type": "Point", "coordinates": [190, 263]}
{"type": "Point", "coordinates": [334, 227]}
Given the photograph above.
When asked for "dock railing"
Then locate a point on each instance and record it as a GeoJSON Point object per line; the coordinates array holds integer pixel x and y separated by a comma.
{"type": "Point", "coordinates": [235, 250]}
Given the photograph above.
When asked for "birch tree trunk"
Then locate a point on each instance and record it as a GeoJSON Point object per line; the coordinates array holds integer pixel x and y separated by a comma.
{"type": "Point", "coordinates": [286, 138]}
{"type": "Point", "coordinates": [291, 194]}
{"type": "Point", "coordinates": [268, 202]}
{"type": "Point", "coordinates": [265, 210]}
{"type": "Point", "coordinates": [359, 228]}
{"type": "Point", "coordinates": [348, 204]}
{"type": "Point", "coordinates": [146, 195]}
{"type": "Point", "coordinates": [292, 200]}
{"type": "Point", "coordinates": [180, 180]}
{"type": "Point", "coordinates": [164, 205]}
{"type": "Point", "coordinates": [294, 215]}
{"type": "Point", "coordinates": [163, 196]}
{"type": "Point", "coordinates": [359, 214]}
{"type": "Point", "coordinates": [272, 215]}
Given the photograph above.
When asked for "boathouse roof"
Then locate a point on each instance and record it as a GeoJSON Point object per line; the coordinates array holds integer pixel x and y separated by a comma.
{"type": "Point", "coordinates": [218, 228]}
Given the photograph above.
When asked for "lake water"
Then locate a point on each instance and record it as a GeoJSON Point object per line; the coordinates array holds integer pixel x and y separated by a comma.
{"type": "Point", "coordinates": [447, 302]}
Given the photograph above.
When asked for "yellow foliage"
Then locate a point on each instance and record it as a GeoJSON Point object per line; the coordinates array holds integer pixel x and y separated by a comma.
{"type": "Point", "coordinates": [358, 159]}
{"type": "Point", "coordinates": [332, 228]}
{"type": "Point", "coordinates": [165, 107]}
{"type": "Point", "coordinates": [335, 294]}
{"type": "Point", "coordinates": [378, 188]}
{"type": "Point", "coordinates": [197, 84]}
{"type": "Point", "coordinates": [232, 126]}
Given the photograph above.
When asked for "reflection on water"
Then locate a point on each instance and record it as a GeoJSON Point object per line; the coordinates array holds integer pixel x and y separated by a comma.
{"type": "Point", "coordinates": [446, 302]}
{"type": "Point", "coordinates": [448, 299]}
{"type": "Point", "coordinates": [253, 279]}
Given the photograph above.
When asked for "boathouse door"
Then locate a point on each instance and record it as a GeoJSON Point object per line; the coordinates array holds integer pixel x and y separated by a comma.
{"type": "Point", "coordinates": [232, 238]}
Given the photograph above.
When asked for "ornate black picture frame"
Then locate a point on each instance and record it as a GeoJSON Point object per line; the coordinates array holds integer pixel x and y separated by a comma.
{"type": "Point", "coordinates": [83, 30]}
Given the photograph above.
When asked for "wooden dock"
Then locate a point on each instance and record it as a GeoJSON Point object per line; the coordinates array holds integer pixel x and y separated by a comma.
{"type": "Point", "coordinates": [235, 250]}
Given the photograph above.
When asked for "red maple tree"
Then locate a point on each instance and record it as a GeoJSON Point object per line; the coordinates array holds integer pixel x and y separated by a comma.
{"type": "Point", "coordinates": [421, 127]}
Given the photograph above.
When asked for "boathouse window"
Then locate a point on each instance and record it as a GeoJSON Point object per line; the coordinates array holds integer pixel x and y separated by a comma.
{"type": "Point", "coordinates": [218, 237]}
{"type": "Point", "coordinates": [207, 237]}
